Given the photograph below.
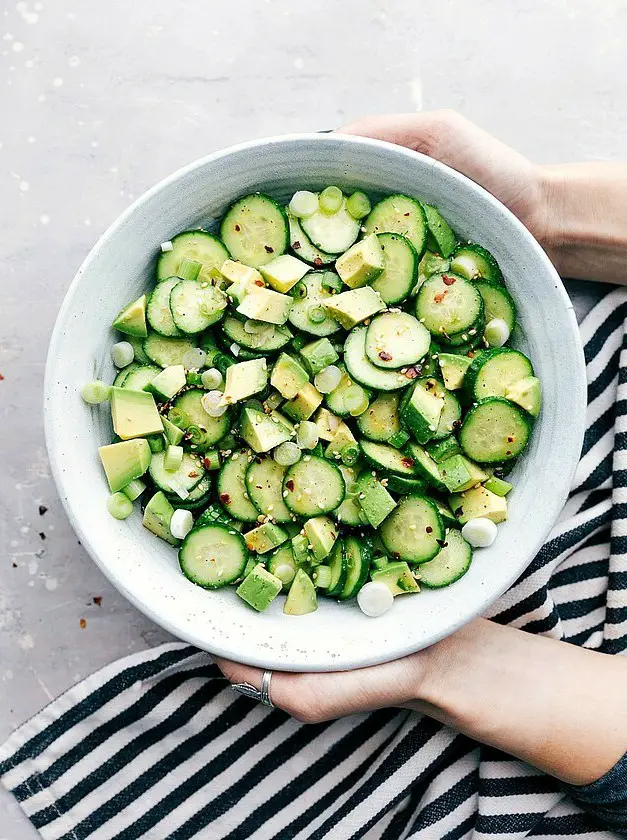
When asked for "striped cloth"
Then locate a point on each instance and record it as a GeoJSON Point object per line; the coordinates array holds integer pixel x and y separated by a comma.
{"type": "Point", "coordinates": [155, 746]}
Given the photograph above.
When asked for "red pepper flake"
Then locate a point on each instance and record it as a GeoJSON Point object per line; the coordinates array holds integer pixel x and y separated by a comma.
{"type": "Point", "coordinates": [296, 246]}
{"type": "Point", "coordinates": [225, 498]}
{"type": "Point", "coordinates": [193, 474]}
{"type": "Point", "coordinates": [385, 357]}
{"type": "Point", "coordinates": [440, 296]}
{"type": "Point", "coordinates": [42, 509]}
{"type": "Point", "coordinates": [269, 250]}
{"type": "Point", "coordinates": [429, 529]}
{"type": "Point", "coordinates": [237, 228]}
{"type": "Point", "coordinates": [1, 377]}
{"type": "Point", "coordinates": [448, 281]}
{"type": "Point", "coordinates": [259, 283]}
{"type": "Point", "coordinates": [82, 623]}
{"type": "Point", "coordinates": [509, 452]}
{"type": "Point", "coordinates": [290, 485]}
{"type": "Point", "coordinates": [430, 385]}
{"type": "Point", "coordinates": [412, 373]}
{"type": "Point", "coordinates": [510, 439]}
{"type": "Point", "coordinates": [405, 214]}
{"type": "Point", "coordinates": [318, 262]}
{"type": "Point", "coordinates": [97, 599]}
{"type": "Point", "coordinates": [407, 462]}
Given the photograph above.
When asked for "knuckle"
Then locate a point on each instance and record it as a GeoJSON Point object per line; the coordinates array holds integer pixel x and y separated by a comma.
{"type": "Point", "coordinates": [438, 128]}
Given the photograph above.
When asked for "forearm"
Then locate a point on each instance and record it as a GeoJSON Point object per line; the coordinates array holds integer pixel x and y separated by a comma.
{"type": "Point", "coordinates": [584, 226]}
{"type": "Point", "coordinates": [556, 706]}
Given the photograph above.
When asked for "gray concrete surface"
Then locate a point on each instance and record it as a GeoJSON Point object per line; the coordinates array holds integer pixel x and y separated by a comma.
{"type": "Point", "coordinates": [100, 100]}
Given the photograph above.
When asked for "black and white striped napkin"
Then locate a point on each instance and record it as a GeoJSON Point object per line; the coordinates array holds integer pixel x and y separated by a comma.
{"type": "Point", "coordinates": [155, 746]}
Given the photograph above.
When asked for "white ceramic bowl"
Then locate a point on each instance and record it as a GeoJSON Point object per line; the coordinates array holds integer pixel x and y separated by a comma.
{"type": "Point", "coordinates": [121, 266]}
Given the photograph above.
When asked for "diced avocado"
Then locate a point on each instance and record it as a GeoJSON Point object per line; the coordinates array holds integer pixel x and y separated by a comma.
{"type": "Point", "coordinates": [301, 599]}
{"type": "Point", "coordinates": [300, 549]}
{"type": "Point", "coordinates": [478, 502]}
{"type": "Point", "coordinates": [440, 450]}
{"type": "Point", "coordinates": [132, 319]}
{"type": "Point", "coordinates": [318, 355]}
{"type": "Point", "coordinates": [157, 517]}
{"type": "Point", "coordinates": [125, 461]}
{"type": "Point", "coordinates": [259, 588]}
{"type": "Point", "coordinates": [327, 423]}
{"type": "Point", "coordinates": [341, 438]}
{"type": "Point", "coordinates": [397, 577]}
{"type": "Point", "coordinates": [284, 272]}
{"type": "Point", "coordinates": [273, 401]}
{"type": "Point", "coordinates": [362, 263]}
{"type": "Point", "coordinates": [134, 413]}
{"type": "Point", "coordinates": [527, 393]}
{"type": "Point", "coordinates": [453, 369]}
{"type": "Point", "coordinates": [167, 383]}
{"type": "Point", "coordinates": [173, 434]}
{"type": "Point", "coordinates": [421, 411]}
{"type": "Point", "coordinates": [352, 307]}
{"type": "Point", "coordinates": [304, 405]}
{"type": "Point", "coordinates": [322, 534]}
{"type": "Point", "coordinates": [243, 279]}
{"type": "Point", "coordinates": [265, 537]}
{"type": "Point", "coordinates": [266, 305]}
{"type": "Point", "coordinates": [244, 379]}
{"type": "Point", "coordinates": [261, 432]}
{"type": "Point", "coordinates": [288, 376]}
{"type": "Point", "coordinates": [460, 473]}
{"type": "Point", "coordinates": [374, 499]}
{"type": "Point", "coordinates": [498, 486]}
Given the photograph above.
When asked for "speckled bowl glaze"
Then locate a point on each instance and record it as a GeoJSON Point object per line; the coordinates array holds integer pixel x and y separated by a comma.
{"type": "Point", "coordinates": [121, 266]}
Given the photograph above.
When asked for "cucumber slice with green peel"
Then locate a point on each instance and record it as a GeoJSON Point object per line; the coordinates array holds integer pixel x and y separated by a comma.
{"type": "Point", "coordinates": [358, 552]}
{"type": "Point", "coordinates": [395, 340]}
{"type": "Point", "coordinates": [264, 485]}
{"type": "Point", "coordinates": [495, 430]}
{"type": "Point", "coordinates": [449, 565]}
{"type": "Point", "coordinates": [142, 375]}
{"type": "Point", "coordinates": [213, 556]}
{"type": "Point", "coordinates": [165, 351]}
{"type": "Point", "coordinates": [267, 338]}
{"type": "Point", "coordinates": [348, 398]}
{"type": "Point", "coordinates": [401, 268]}
{"type": "Point", "coordinates": [474, 262]}
{"type": "Point", "coordinates": [449, 418]}
{"type": "Point", "coordinates": [332, 233]}
{"type": "Point", "coordinates": [314, 296]}
{"type": "Point", "coordinates": [138, 348]}
{"type": "Point", "coordinates": [399, 214]}
{"type": "Point", "coordinates": [492, 372]}
{"type": "Point", "coordinates": [158, 312]}
{"type": "Point", "coordinates": [405, 486]}
{"type": "Point", "coordinates": [196, 306]}
{"type": "Point", "coordinates": [187, 413]}
{"type": "Point", "coordinates": [213, 514]}
{"type": "Point", "coordinates": [339, 569]}
{"type": "Point", "coordinates": [304, 248]}
{"type": "Point", "coordinates": [425, 467]}
{"type": "Point", "coordinates": [314, 487]}
{"type": "Point", "coordinates": [440, 230]}
{"type": "Point", "coordinates": [388, 459]}
{"type": "Point", "coordinates": [450, 306]}
{"type": "Point", "coordinates": [126, 371]}
{"type": "Point", "coordinates": [198, 497]}
{"type": "Point", "coordinates": [363, 371]}
{"type": "Point", "coordinates": [255, 230]}
{"type": "Point", "coordinates": [197, 245]}
{"type": "Point", "coordinates": [185, 478]}
{"type": "Point", "coordinates": [497, 302]}
{"type": "Point", "coordinates": [350, 512]}
{"type": "Point", "coordinates": [231, 486]}
{"type": "Point", "coordinates": [380, 421]}
{"type": "Point", "coordinates": [414, 531]}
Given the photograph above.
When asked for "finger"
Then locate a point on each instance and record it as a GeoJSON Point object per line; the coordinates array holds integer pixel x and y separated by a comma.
{"type": "Point", "coordinates": [237, 673]}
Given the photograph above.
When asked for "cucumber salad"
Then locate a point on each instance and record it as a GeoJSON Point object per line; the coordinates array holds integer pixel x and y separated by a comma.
{"type": "Point", "coordinates": [319, 400]}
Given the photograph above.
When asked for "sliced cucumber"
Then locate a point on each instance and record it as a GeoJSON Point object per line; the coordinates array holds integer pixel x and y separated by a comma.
{"type": "Point", "coordinates": [380, 421]}
{"type": "Point", "coordinates": [255, 230]}
{"type": "Point", "coordinates": [332, 233]}
{"type": "Point", "coordinates": [198, 497]}
{"type": "Point", "coordinates": [450, 565]}
{"type": "Point", "coordinates": [350, 512]}
{"type": "Point", "coordinates": [413, 531]}
{"type": "Point", "coordinates": [405, 486]}
{"type": "Point", "coordinates": [395, 340]}
{"type": "Point", "coordinates": [167, 351]}
{"type": "Point", "coordinates": [184, 479]}
{"type": "Point", "coordinates": [497, 302]}
{"type": "Point", "coordinates": [473, 262]}
{"type": "Point", "coordinates": [388, 459]}
{"type": "Point", "coordinates": [264, 485]}
{"type": "Point", "coordinates": [401, 268]}
{"type": "Point", "coordinates": [314, 487]}
{"type": "Point", "coordinates": [315, 295]}
{"type": "Point", "coordinates": [494, 430]}
{"type": "Point", "coordinates": [450, 307]}
{"type": "Point", "coordinates": [399, 214]}
{"type": "Point", "coordinates": [195, 306]}
{"type": "Point", "coordinates": [231, 487]}
{"type": "Point", "coordinates": [267, 338]}
{"type": "Point", "coordinates": [138, 349]}
{"type": "Point", "coordinates": [492, 372]}
{"type": "Point", "coordinates": [121, 375]}
{"type": "Point", "coordinates": [361, 368]}
{"type": "Point", "coordinates": [439, 228]}
{"type": "Point", "coordinates": [426, 467]}
{"type": "Point", "coordinates": [158, 312]}
{"type": "Point", "coordinates": [136, 380]}
{"type": "Point", "coordinates": [358, 552]}
{"type": "Point", "coordinates": [304, 248]}
{"type": "Point", "coordinates": [196, 245]}
{"type": "Point", "coordinates": [348, 398]}
{"type": "Point", "coordinates": [213, 556]}
{"type": "Point", "coordinates": [188, 413]}
{"type": "Point", "coordinates": [339, 569]}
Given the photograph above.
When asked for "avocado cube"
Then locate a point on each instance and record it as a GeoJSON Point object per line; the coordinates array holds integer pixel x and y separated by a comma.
{"type": "Point", "coordinates": [242, 278]}
{"type": "Point", "coordinates": [352, 307]}
{"type": "Point", "coordinates": [284, 272]}
{"type": "Point", "coordinates": [498, 486]}
{"type": "Point", "coordinates": [134, 413]}
{"type": "Point", "coordinates": [265, 537]}
{"type": "Point", "coordinates": [304, 405]}
{"type": "Point", "coordinates": [318, 355]}
{"type": "Point", "coordinates": [453, 369]}
{"type": "Point", "coordinates": [374, 499]}
{"type": "Point", "coordinates": [261, 432]}
{"type": "Point", "coordinates": [265, 305]}
{"type": "Point", "coordinates": [322, 534]}
{"type": "Point", "coordinates": [362, 263]}
{"type": "Point", "coordinates": [301, 599]}
{"type": "Point", "coordinates": [157, 517]}
{"type": "Point", "coordinates": [173, 434]}
{"type": "Point", "coordinates": [342, 437]}
{"type": "Point", "coordinates": [132, 319]}
{"type": "Point", "coordinates": [397, 577]}
{"type": "Point", "coordinates": [478, 502]}
{"type": "Point", "coordinates": [327, 424]}
{"type": "Point", "coordinates": [259, 588]}
{"type": "Point", "coordinates": [167, 383]}
{"type": "Point", "coordinates": [458, 473]}
{"type": "Point", "coordinates": [244, 379]}
{"type": "Point", "coordinates": [288, 376]}
{"type": "Point", "coordinates": [440, 450]}
{"type": "Point", "coordinates": [527, 393]}
{"type": "Point", "coordinates": [125, 461]}
{"type": "Point", "coordinates": [420, 410]}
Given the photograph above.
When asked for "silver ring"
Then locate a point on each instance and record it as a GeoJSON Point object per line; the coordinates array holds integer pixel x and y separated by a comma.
{"type": "Point", "coordinates": [261, 695]}
{"type": "Point", "coordinates": [265, 689]}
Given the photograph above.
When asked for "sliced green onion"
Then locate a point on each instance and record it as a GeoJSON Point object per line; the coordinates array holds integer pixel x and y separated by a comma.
{"type": "Point", "coordinates": [287, 453]}
{"type": "Point", "coordinates": [350, 455]}
{"type": "Point", "coordinates": [176, 416]}
{"type": "Point", "coordinates": [358, 205]}
{"type": "Point", "coordinates": [96, 392]}
{"type": "Point", "coordinates": [356, 400]}
{"type": "Point", "coordinates": [328, 379]}
{"type": "Point", "coordinates": [189, 269]}
{"type": "Point", "coordinates": [331, 282]}
{"type": "Point", "coordinates": [173, 458]}
{"type": "Point", "coordinates": [122, 354]}
{"type": "Point", "coordinates": [316, 314]}
{"type": "Point", "coordinates": [211, 460]}
{"type": "Point", "coordinates": [299, 291]}
{"type": "Point", "coordinates": [285, 573]}
{"type": "Point", "coordinates": [156, 443]}
{"type": "Point", "coordinates": [211, 402]}
{"type": "Point", "coordinates": [211, 379]}
{"type": "Point", "coordinates": [496, 332]}
{"type": "Point", "coordinates": [303, 204]}
{"type": "Point", "coordinates": [195, 435]}
{"type": "Point", "coordinates": [194, 359]}
{"type": "Point", "coordinates": [119, 506]}
{"type": "Point", "coordinates": [307, 434]}
{"type": "Point", "coordinates": [193, 377]}
{"type": "Point", "coordinates": [398, 439]}
{"type": "Point", "coordinates": [134, 489]}
{"type": "Point", "coordinates": [181, 523]}
{"type": "Point", "coordinates": [322, 577]}
{"type": "Point", "coordinates": [330, 200]}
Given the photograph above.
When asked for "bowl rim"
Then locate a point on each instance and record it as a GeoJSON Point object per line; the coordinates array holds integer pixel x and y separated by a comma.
{"type": "Point", "coordinates": [576, 431]}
